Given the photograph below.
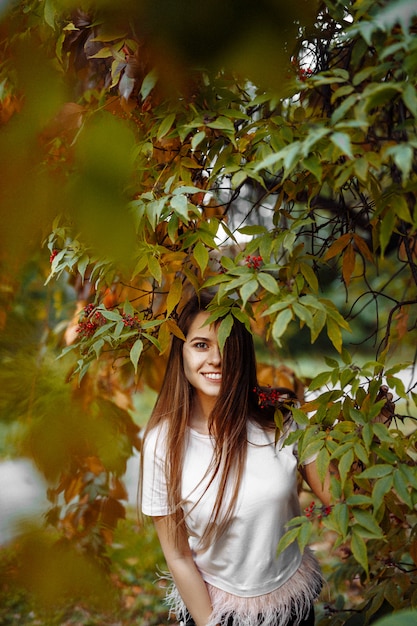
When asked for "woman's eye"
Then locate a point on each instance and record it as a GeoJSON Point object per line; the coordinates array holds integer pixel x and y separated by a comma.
{"type": "Point", "coordinates": [200, 345]}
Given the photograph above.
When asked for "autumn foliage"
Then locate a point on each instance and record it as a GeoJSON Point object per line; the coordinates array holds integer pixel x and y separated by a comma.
{"type": "Point", "coordinates": [266, 153]}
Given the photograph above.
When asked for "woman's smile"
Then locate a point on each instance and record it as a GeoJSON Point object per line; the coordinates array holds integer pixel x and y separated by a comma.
{"type": "Point", "coordinates": [216, 377]}
{"type": "Point", "coordinates": [202, 358]}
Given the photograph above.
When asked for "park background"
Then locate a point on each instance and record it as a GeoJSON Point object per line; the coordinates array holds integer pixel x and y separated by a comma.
{"type": "Point", "coordinates": [267, 152]}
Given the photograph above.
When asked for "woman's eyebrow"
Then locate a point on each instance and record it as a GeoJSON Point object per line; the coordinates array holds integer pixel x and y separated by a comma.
{"type": "Point", "coordinates": [198, 338]}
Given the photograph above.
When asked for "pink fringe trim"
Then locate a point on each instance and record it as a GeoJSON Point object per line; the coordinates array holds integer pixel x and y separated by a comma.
{"type": "Point", "coordinates": [293, 600]}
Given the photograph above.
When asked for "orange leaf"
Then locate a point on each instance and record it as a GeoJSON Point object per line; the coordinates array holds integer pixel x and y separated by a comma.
{"type": "Point", "coordinates": [174, 329]}
{"type": "Point", "coordinates": [107, 535]}
{"type": "Point", "coordinates": [73, 489]}
{"type": "Point", "coordinates": [94, 465]}
{"type": "Point", "coordinates": [337, 246]}
{"type": "Point", "coordinates": [308, 407]}
{"type": "Point", "coordinates": [402, 323]}
{"type": "Point", "coordinates": [348, 264]}
{"type": "Point", "coordinates": [118, 490]}
{"type": "Point", "coordinates": [111, 512]}
{"type": "Point", "coordinates": [363, 248]}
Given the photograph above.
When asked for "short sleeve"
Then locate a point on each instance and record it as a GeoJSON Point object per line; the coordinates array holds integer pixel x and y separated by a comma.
{"type": "Point", "coordinates": [154, 487]}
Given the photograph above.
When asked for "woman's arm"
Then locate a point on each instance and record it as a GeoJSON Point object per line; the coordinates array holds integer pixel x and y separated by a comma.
{"type": "Point", "coordinates": [185, 574]}
{"type": "Point", "coordinates": [321, 490]}
{"type": "Point", "coordinates": [310, 473]}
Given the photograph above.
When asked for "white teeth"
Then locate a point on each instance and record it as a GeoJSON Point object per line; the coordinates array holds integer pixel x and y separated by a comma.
{"type": "Point", "coordinates": [213, 376]}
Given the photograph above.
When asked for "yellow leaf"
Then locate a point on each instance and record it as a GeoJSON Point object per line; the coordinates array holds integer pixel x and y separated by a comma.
{"type": "Point", "coordinates": [174, 295]}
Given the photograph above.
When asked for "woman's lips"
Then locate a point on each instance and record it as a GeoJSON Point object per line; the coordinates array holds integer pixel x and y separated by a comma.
{"type": "Point", "coordinates": [213, 376]}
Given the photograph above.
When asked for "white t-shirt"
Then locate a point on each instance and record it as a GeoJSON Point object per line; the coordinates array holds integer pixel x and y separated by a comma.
{"type": "Point", "coordinates": [243, 560]}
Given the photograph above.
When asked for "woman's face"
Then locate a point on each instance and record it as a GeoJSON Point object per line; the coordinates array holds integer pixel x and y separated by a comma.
{"type": "Point", "coordinates": [202, 358]}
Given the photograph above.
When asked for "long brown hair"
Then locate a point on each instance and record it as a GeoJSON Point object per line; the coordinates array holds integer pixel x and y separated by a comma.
{"type": "Point", "coordinates": [237, 400]}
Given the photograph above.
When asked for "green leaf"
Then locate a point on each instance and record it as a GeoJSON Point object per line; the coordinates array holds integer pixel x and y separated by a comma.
{"type": "Point", "coordinates": [97, 346]}
{"type": "Point", "coordinates": [345, 465]}
{"type": "Point", "coordinates": [49, 13]}
{"type": "Point", "coordinates": [154, 210]}
{"type": "Point", "coordinates": [201, 255]}
{"type": "Point", "coordinates": [313, 164]}
{"type": "Point", "coordinates": [114, 316]}
{"type": "Point", "coordinates": [322, 463]}
{"type": "Point", "coordinates": [253, 229]}
{"type": "Point", "coordinates": [135, 352]}
{"type": "Point", "coordinates": [401, 487]}
{"type": "Point", "coordinates": [342, 141]}
{"type": "Point", "coordinates": [304, 535]}
{"type": "Point", "coordinates": [410, 98]}
{"type": "Point", "coordinates": [320, 380]}
{"type": "Point", "coordinates": [184, 189]}
{"type": "Point", "coordinates": [358, 500]}
{"type": "Point", "coordinates": [165, 127]}
{"type": "Point", "coordinates": [359, 551]}
{"type": "Point", "coordinates": [377, 94]}
{"type": "Point", "coordinates": [222, 123]}
{"type": "Point", "coordinates": [118, 329]}
{"type": "Point", "coordinates": [386, 230]}
{"type": "Point", "coordinates": [268, 282]}
{"type": "Point", "coordinates": [366, 519]}
{"type": "Point", "coordinates": [197, 139]}
{"type": "Point", "coordinates": [319, 321]}
{"type": "Point", "coordinates": [300, 417]}
{"type": "Point", "coordinates": [340, 514]}
{"type": "Point", "coordinates": [155, 268]}
{"type": "Point", "coordinates": [402, 155]}
{"type": "Point", "coordinates": [303, 313]}
{"type": "Point", "coordinates": [103, 53]}
{"type": "Point", "coordinates": [313, 137]}
{"type": "Point", "coordinates": [238, 179]}
{"type": "Point", "coordinates": [277, 306]}
{"type": "Point", "coordinates": [310, 276]}
{"type": "Point", "coordinates": [381, 487]}
{"type": "Point", "coordinates": [224, 330]}
{"type": "Point", "coordinates": [82, 265]}
{"type": "Point", "coordinates": [248, 289]}
{"type": "Point", "coordinates": [180, 205]}
{"type": "Point", "coordinates": [376, 471]}
{"type": "Point", "coordinates": [280, 324]}
{"type": "Point", "coordinates": [344, 107]}
{"type": "Point", "coordinates": [409, 473]}
{"type": "Point", "coordinates": [148, 83]}
{"type": "Point", "coordinates": [287, 539]}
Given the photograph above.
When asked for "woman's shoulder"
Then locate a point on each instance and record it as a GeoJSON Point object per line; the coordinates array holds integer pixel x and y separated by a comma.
{"type": "Point", "coordinates": [155, 437]}
{"type": "Point", "coordinates": [258, 432]}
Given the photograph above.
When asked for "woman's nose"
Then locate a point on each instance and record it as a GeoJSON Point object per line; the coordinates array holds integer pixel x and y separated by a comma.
{"type": "Point", "coordinates": [215, 358]}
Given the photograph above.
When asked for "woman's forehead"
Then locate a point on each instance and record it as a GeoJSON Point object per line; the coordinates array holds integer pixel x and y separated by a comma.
{"type": "Point", "coordinates": [199, 326]}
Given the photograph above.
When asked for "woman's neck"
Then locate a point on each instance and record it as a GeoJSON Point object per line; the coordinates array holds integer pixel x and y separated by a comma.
{"type": "Point", "coordinates": [200, 413]}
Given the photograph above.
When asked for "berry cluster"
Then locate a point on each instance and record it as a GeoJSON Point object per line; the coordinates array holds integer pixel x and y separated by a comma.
{"type": "Point", "coordinates": [91, 321]}
{"type": "Point", "coordinates": [303, 74]}
{"type": "Point", "coordinates": [130, 321]}
{"type": "Point", "coordinates": [254, 262]}
{"type": "Point", "coordinates": [322, 511]}
{"type": "Point", "coordinates": [268, 396]}
{"type": "Point", "coordinates": [53, 255]}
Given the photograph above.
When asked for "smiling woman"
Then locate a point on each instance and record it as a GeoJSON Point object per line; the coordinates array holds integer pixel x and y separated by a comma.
{"type": "Point", "coordinates": [202, 368]}
{"type": "Point", "coordinates": [221, 489]}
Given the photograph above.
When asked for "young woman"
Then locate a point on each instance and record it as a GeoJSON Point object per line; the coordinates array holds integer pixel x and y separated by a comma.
{"type": "Point", "coordinates": [220, 489]}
